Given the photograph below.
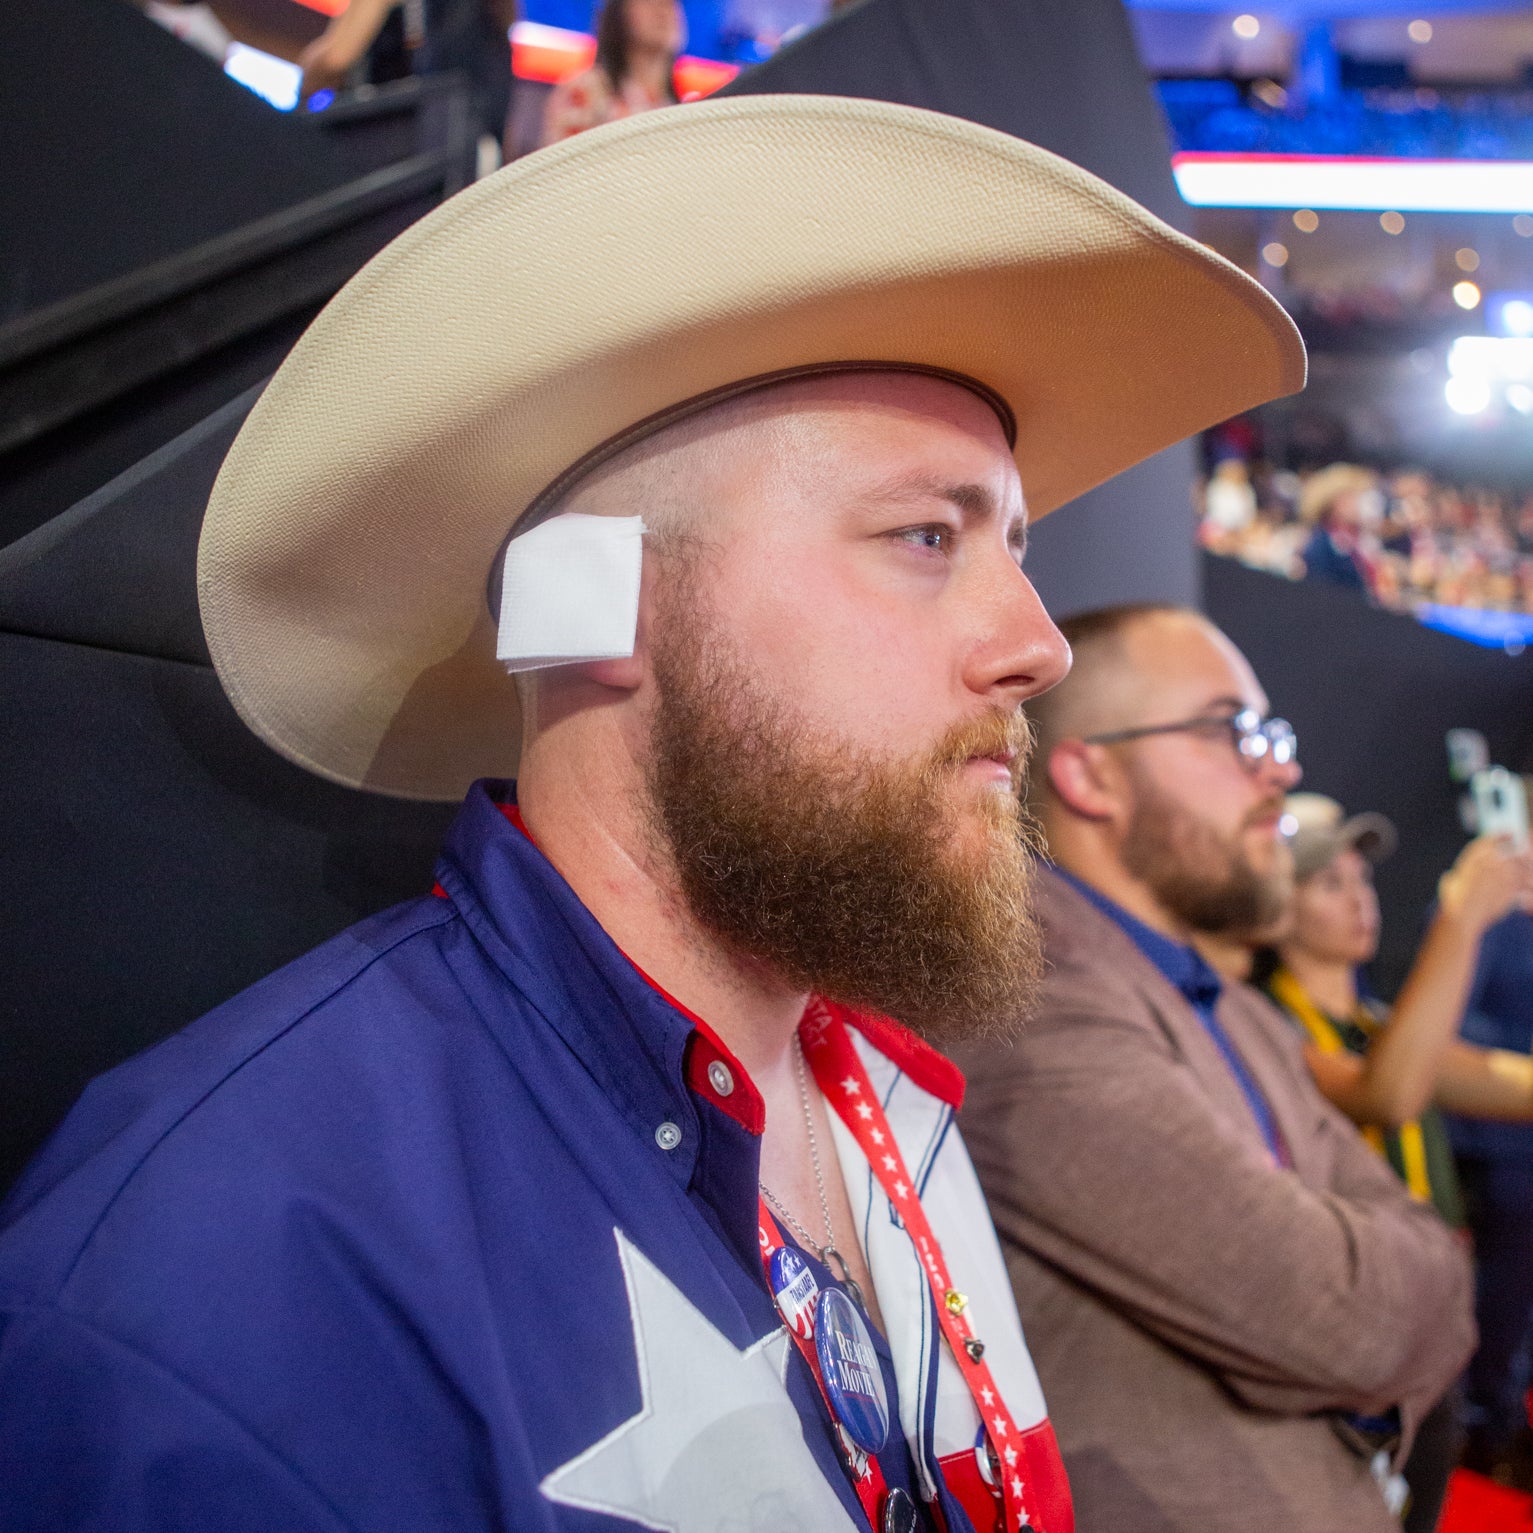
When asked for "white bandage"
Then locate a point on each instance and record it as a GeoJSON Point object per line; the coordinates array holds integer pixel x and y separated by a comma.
{"type": "Point", "coordinates": [570, 592]}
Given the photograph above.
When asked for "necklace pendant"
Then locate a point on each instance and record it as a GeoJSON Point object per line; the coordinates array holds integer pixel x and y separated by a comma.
{"type": "Point", "coordinates": [833, 1259]}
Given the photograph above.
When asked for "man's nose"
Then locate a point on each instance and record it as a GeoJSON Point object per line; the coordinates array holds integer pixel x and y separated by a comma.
{"type": "Point", "coordinates": [1025, 654]}
{"type": "Point", "coordinates": [1285, 776]}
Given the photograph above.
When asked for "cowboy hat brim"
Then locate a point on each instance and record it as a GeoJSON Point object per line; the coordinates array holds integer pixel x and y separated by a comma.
{"type": "Point", "coordinates": [549, 308]}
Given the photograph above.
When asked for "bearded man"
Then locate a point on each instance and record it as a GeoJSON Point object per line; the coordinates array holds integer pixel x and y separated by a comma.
{"type": "Point", "coordinates": [1237, 1312]}
{"type": "Point", "coordinates": [678, 470]}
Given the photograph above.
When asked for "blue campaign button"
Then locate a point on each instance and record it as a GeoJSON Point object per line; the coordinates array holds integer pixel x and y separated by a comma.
{"type": "Point", "coordinates": [853, 1379]}
{"type": "Point", "coordinates": [795, 1289]}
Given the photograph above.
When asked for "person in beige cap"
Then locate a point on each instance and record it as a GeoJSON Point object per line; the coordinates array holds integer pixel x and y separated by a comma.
{"type": "Point", "coordinates": [677, 471]}
{"type": "Point", "coordinates": [1389, 1069]}
{"type": "Point", "coordinates": [1386, 1078]}
{"type": "Point", "coordinates": [1239, 1314]}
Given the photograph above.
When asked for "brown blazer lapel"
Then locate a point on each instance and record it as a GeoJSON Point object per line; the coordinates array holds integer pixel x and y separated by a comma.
{"type": "Point", "coordinates": [1082, 938]}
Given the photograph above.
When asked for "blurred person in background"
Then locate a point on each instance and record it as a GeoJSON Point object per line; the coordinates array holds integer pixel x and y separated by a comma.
{"type": "Point", "coordinates": [1239, 1313]}
{"type": "Point", "coordinates": [1339, 503]}
{"type": "Point", "coordinates": [1495, 1162]}
{"type": "Point", "coordinates": [637, 42]}
{"type": "Point", "coordinates": [468, 37]}
{"type": "Point", "coordinates": [1389, 1068]}
{"type": "Point", "coordinates": [1229, 505]}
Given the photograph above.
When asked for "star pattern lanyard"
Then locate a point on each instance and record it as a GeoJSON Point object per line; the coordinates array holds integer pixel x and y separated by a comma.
{"type": "Point", "coordinates": [866, 1475]}
{"type": "Point", "coordinates": [843, 1081]}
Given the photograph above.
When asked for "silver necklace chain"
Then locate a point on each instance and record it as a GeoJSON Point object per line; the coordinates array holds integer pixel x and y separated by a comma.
{"type": "Point", "coordinates": [827, 1253]}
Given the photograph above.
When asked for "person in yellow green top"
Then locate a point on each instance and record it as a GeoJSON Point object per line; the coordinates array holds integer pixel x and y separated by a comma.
{"type": "Point", "coordinates": [1390, 1068]}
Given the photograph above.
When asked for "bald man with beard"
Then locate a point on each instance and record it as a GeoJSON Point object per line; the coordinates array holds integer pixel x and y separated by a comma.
{"type": "Point", "coordinates": [1238, 1313]}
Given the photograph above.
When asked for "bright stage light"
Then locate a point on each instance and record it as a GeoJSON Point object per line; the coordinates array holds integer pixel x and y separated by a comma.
{"type": "Point", "coordinates": [1492, 358]}
{"type": "Point", "coordinates": [274, 79]}
{"type": "Point", "coordinates": [1245, 27]}
{"type": "Point", "coordinates": [1466, 396]}
{"type": "Point", "coordinates": [1420, 31]}
{"type": "Point", "coordinates": [1275, 254]}
{"type": "Point", "coordinates": [1391, 223]}
{"type": "Point", "coordinates": [1306, 221]}
{"type": "Point", "coordinates": [1520, 397]}
{"type": "Point", "coordinates": [1466, 295]}
{"type": "Point", "coordinates": [1517, 316]}
{"type": "Point", "coordinates": [1209, 179]}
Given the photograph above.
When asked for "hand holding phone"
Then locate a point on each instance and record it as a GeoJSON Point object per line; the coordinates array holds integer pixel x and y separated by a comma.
{"type": "Point", "coordinates": [1500, 805]}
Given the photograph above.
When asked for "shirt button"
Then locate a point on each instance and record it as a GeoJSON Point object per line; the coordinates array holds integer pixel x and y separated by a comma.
{"type": "Point", "coordinates": [668, 1136]}
{"type": "Point", "coordinates": [720, 1078]}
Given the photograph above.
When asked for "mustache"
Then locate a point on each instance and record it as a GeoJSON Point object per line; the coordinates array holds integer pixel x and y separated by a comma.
{"type": "Point", "coordinates": [1006, 735]}
{"type": "Point", "coordinates": [1267, 808]}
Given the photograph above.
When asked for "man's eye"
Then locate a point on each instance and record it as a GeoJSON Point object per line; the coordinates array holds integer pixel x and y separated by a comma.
{"type": "Point", "coordinates": [937, 539]}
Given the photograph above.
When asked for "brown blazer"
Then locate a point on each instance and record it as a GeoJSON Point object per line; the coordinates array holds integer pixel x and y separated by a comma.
{"type": "Point", "coordinates": [1193, 1311]}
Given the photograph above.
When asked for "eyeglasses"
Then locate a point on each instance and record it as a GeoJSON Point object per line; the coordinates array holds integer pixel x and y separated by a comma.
{"type": "Point", "coordinates": [1257, 740]}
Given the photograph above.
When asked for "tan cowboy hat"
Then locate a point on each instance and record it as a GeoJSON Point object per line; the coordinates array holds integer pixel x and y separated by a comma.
{"type": "Point", "coordinates": [604, 282]}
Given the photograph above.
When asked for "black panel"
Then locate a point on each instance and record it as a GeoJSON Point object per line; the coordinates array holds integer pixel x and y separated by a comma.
{"type": "Point", "coordinates": [1371, 695]}
{"type": "Point", "coordinates": [159, 859]}
{"type": "Point", "coordinates": [119, 570]}
{"type": "Point", "coordinates": [123, 145]}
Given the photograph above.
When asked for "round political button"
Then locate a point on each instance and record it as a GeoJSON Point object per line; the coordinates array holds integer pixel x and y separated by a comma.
{"type": "Point", "coordinates": [795, 1289]}
{"type": "Point", "coordinates": [853, 1379]}
{"type": "Point", "coordinates": [899, 1513]}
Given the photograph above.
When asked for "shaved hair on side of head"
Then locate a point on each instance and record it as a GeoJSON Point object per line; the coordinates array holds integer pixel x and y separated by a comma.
{"type": "Point", "coordinates": [1091, 699]}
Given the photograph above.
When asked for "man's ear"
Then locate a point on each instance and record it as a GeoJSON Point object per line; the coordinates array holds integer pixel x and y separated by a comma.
{"type": "Point", "coordinates": [1084, 779]}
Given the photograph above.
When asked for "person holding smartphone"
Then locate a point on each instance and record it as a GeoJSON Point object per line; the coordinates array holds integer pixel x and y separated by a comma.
{"type": "Point", "coordinates": [1390, 1069]}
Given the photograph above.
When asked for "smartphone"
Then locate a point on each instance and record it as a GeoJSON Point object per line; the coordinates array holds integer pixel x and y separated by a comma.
{"type": "Point", "coordinates": [1500, 805]}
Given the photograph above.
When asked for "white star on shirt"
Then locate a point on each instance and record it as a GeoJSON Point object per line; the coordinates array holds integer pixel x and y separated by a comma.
{"type": "Point", "coordinates": [1016, 1487]}
{"type": "Point", "coordinates": [851, 1087]}
{"type": "Point", "coordinates": [998, 1426]}
{"type": "Point", "coordinates": [1011, 1458]}
{"type": "Point", "coordinates": [876, 1135]}
{"type": "Point", "coordinates": [900, 1189]}
{"type": "Point", "coordinates": [863, 1110]}
{"type": "Point", "coordinates": [716, 1445]}
{"type": "Point", "coordinates": [987, 1394]}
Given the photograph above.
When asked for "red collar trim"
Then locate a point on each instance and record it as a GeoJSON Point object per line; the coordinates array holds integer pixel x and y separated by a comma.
{"type": "Point", "coordinates": [513, 813]}
{"type": "Point", "coordinates": [931, 1071]}
{"type": "Point", "coordinates": [705, 1049]}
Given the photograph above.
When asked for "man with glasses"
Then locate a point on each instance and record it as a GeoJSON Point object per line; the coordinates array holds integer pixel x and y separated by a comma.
{"type": "Point", "coordinates": [1237, 1312]}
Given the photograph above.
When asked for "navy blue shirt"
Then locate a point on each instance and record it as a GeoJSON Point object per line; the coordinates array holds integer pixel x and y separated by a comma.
{"type": "Point", "coordinates": [1190, 972]}
{"type": "Point", "coordinates": [1500, 1016]}
{"type": "Point", "coordinates": [437, 1228]}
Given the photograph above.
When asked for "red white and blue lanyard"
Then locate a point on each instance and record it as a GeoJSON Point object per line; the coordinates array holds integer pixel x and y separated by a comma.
{"type": "Point", "coordinates": [843, 1081]}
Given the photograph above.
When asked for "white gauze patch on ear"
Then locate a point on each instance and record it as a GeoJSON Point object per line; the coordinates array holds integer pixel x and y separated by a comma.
{"type": "Point", "coordinates": [570, 591]}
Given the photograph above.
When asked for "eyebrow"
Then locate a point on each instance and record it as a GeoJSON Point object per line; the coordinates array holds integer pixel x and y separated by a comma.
{"type": "Point", "coordinates": [1228, 701]}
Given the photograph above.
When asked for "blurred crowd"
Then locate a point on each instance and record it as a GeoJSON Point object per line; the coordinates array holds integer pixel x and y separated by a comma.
{"type": "Point", "coordinates": [1412, 123]}
{"type": "Point", "coordinates": [1404, 539]}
